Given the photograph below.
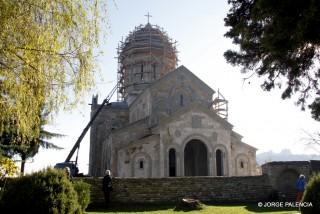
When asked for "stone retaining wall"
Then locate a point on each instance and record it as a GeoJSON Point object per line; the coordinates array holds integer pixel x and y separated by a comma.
{"type": "Point", "coordinates": [166, 190]}
{"type": "Point", "coordinates": [283, 176]}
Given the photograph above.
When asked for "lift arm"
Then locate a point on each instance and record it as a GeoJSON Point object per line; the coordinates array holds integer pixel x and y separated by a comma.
{"type": "Point", "coordinates": [85, 130]}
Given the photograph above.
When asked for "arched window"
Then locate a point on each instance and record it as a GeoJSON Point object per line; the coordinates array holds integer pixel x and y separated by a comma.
{"type": "Point", "coordinates": [219, 162]}
{"type": "Point", "coordinates": [141, 72]}
{"type": "Point", "coordinates": [141, 164]}
{"type": "Point", "coordinates": [172, 163]}
{"type": "Point", "coordinates": [241, 165]}
{"type": "Point", "coordinates": [181, 100]}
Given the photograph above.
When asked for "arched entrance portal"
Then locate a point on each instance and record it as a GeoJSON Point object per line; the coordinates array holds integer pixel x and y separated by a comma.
{"type": "Point", "coordinates": [195, 159]}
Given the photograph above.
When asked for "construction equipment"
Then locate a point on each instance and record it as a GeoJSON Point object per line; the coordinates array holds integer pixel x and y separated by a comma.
{"type": "Point", "coordinates": [220, 105]}
{"type": "Point", "coordinates": [72, 165]}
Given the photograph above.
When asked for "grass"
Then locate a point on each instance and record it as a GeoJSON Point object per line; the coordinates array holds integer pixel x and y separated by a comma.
{"type": "Point", "coordinates": [208, 209]}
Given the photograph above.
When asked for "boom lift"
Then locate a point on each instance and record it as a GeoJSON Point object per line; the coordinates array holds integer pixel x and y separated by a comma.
{"type": "Point", "coordinates": [73, 165]}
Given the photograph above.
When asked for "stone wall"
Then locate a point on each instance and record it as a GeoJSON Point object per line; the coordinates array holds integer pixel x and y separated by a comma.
{"type": "Point", "coordinates": [283, 176]}
{"type": "Point", "coordinates": [112, 116]}
{"type": "Point", "coordinates": [169, 190]}
{"type": "Point", "coordinates": [276, 169]}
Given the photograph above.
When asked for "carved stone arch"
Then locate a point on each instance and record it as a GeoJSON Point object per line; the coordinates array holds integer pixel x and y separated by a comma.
{"type": "Point", "coordinates": [220, 146]}
{"type": "Point", "coordinates": [225, 159]}
{"type": "Point", "coordinates": [174, 146]}
{"type": "Point", "coordinates": [146, 171]}
{"type": "Point", "coordinates": [242, 165]}
{"type": "Point", "coordinates": [207, 145]}
{"type": "Point", "coordinates": [200, 137]}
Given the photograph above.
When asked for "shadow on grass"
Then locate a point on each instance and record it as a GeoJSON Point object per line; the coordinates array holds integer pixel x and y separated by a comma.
{"type": "Point", "coordinates": [178, 209]}
{"type": "Point", "coordinates": [253, 207]}
{"type": "Point", "coordinates": [119, 207]}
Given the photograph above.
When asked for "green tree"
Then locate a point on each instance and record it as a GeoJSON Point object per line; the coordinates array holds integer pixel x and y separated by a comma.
{"type": "Point", "coordinates": [46, 191]}
{"type": "Point", "coordinates": [279, 41]}
{"type": "Point", "coordinates": [31, 147]}
{"type": "Point", "coordinates": [7, 169]}
{"type": "Point", "coordinates": [46, 58]}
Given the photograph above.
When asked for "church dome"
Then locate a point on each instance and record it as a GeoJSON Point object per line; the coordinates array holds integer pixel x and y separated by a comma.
{"type": "Point", "coordinates": [148, 38]}
{"type": "Point", "coordinates": [144, 56]}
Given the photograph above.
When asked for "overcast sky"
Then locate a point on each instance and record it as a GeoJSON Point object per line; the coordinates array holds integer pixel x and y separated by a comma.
{"type": "Point", "coordinates": [263, 119]}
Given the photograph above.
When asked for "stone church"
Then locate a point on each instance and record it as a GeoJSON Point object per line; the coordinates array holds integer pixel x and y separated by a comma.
{"type": "Point", "coordinates": [166, 122]}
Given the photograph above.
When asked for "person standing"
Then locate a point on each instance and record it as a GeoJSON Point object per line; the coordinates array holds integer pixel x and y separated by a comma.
{"type": "Point", "coordinates": [107, 187]}
{"type": "Point", "coordinates": [300, 187]}
{"type": "Point", "coordinates": [68, 173]}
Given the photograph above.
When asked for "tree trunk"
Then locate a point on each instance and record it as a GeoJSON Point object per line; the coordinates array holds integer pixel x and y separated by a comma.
{"type": "Point", "coordinates": [23, 162]}
{"type": "Point", "coordinates": [186, 204]}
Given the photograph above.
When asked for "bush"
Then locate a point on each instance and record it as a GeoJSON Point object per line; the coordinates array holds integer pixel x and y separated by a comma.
{"type": "Point", "coordinates": [83, 191]}
{"type": "Point", "coordinates": [47, 191]}
{"type": "Point", "coordinates": [312, 194]}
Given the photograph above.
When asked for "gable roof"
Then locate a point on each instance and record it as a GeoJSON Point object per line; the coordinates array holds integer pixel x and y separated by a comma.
{"type": "Point", "coordinates": [180, 70]}
{"type": "Point", "coordinates": [168, 119]}
{"type": "Point", "coordinates": [246, 145]}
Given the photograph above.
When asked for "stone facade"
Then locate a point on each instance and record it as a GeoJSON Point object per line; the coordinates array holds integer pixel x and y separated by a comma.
{"type": "Point", "coordinates": [109, 119]}
{"type": "Point", "coordinates": [166, 128]}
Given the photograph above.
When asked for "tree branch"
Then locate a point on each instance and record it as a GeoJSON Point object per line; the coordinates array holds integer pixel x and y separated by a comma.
{"type": "Point", "coordinates": [22, 59]}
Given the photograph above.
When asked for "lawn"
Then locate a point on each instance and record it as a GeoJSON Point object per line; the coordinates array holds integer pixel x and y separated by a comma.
{"type": "Point", "coordinates": [209, 209]}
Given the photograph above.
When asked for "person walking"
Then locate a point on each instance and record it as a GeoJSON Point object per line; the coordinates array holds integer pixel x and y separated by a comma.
{"type": "Point", "coordinates": [300, 187]}
{"type": "Point", "coordinates": [68, 173]}
{"type": "Point", "coordinates": [107, 187]}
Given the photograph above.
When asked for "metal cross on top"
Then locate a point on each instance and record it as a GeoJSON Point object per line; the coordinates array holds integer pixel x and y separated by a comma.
{"type": "Point", "coordinates": [148, 15]}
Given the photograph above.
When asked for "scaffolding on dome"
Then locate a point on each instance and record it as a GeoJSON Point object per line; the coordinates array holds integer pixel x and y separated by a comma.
{"type": "Point", "coordinates": [220, 105]}
{"type": "Point", "coordinates": [147, 45]}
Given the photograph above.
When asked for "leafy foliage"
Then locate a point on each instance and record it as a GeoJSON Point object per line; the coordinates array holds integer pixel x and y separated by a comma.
{"type": "Point", "coordinates": [7, 168]}
{"type": "Point", "coordinates": [30, 147]}
{"type": "Point", "coordinates": [83, 192]}
{"type": "Point", "coordinates": [46, 58]}
{"type": "Point", "coordinates": [278, 40]}
{"type": "Point", "coordinates": [47, 191]}
{"type": "Point", "coordinates": [312, 194]}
